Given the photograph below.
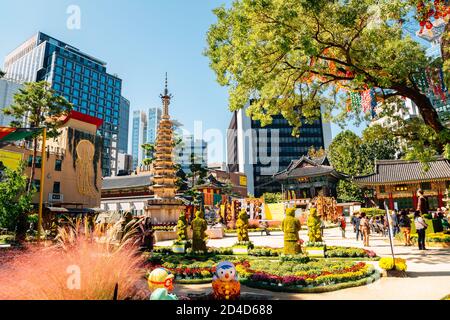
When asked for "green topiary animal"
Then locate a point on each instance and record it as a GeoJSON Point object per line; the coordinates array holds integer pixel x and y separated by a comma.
{"type": "Point", "coordinates": [199, 226]}
{"type": "Point", "coordinates": [242, 226]}
{"type": "Point", "coordinates": [291, 227]}
{"type": "Point", "coordinates": [182, 227]}
{"type": "Point", "coordinates": [314, 232]}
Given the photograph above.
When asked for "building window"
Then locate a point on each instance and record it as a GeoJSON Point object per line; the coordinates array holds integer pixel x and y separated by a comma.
{"type": "Point", "coordinates": [56, 187]}
{"type": "Point", "coordinates": [38, 161]}
{"type": "Point", "coordinates": [37, 185]}
{"type": "Point", "coordinates": [58, 165]}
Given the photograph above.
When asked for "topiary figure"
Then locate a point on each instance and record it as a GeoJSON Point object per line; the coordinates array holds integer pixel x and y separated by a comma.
{"type": "Point", "coordinates": [291, 226]}
{"type": "Point", "coordinates": [182, 227]}
{"type": "Point", "coordinates": [199, 237]}
{"type": "Point", "coordinates": [242, 226]}
{"type": "Point", "coordinates": [314, 232]}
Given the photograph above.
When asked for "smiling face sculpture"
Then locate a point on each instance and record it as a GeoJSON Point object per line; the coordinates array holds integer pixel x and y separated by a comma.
{"type": "Point", "coordinates": [226, 271]}
{"type": "Point", "coordinates": [225, 283]}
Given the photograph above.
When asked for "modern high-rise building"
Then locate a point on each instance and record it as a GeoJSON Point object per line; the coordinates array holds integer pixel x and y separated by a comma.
{"type": "Point", "coordinates": [154, 116]}
{"type": "Point", "coordinates": [191, 148]}
{"type": "Point", "coordinates": [260, 152]}
{"type": "Point", "coordinates": [80, 78]}
{"type": "Point", "coordinates": [124, 119]}
{"type": "Point", "coordinates": [8, 89]}
{"type": "Point", "coordinates": [139, 137]}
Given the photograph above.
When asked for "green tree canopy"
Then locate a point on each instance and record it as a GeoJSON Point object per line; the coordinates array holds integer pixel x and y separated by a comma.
{"type": "Point", "coordinates": [15, 201]}
{"type": "Point", "coordinates": [354, 156]}
{"type": "Point", "coordinates": [299, 57]}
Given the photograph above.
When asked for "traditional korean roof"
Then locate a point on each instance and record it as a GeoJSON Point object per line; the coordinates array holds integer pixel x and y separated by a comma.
{"type": "Point", "coordinates": [307, 167]}
{"type": "Point", "coordinates": [211, 182]}
{"type": "Point", "coordinates": [400, 171]}
{"type": "Point", "coordinates": [127, 182]}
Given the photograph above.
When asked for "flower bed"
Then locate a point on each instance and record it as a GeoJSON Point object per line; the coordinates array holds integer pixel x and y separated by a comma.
{"type": "Point", "coordinates": [186, 269]}
{"type": "Point", "coordinates": [331, 252]}
{"type": "Point", "coordinates": [291, 276]}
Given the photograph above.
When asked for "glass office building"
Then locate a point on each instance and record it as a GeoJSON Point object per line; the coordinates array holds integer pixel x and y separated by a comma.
{"type": "Point", "coordinates": [80, 78]}
{"type": "Point", "coordinates": [260, 152]}
{"type": "Point", "coordinates": [139, 137]}
{"type": "Point", "coordinates": [154, 116]}
{"type": "Point", "coordinates": [124, 119]}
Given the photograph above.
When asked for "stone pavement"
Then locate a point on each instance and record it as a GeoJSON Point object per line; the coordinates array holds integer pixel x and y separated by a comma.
{"type": "Point", "coordinates": [428, 271]}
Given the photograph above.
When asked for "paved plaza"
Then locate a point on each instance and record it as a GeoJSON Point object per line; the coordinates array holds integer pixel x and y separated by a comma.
{"type": "Point", "coordinates": [428, 272]}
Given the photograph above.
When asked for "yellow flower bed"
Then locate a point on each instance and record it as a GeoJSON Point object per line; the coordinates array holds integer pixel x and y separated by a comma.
{"type": "Point", "coordinates": [388, 264]}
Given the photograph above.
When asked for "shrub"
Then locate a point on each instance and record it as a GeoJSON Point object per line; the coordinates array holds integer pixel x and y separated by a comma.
{"type": "Point", "coordinates": [388, 264]}
{"type": "Point", "coordinates": [371, 212]}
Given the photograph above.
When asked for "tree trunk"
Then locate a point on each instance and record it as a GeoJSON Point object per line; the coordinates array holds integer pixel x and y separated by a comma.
{"type": "Point", "coordinates": [427, 111]}
{"type": "Point", "coordinates": [33, 164]}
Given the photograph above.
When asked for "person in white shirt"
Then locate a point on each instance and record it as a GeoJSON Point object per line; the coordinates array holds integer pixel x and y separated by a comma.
{"type": "Point", "coordinates": [421, 227]}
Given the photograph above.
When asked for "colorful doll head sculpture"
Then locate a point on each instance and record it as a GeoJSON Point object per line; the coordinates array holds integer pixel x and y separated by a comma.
{"type": "Point", "coordinates": [225, 282]}
{"type": "Point", "coordinates": [226, 271]}
{"type": "Point", "coordinates": [160, 278]}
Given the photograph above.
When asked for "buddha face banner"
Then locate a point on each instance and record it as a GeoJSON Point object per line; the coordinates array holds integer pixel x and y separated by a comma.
{"type": "Point", "coordinates": [85, 169]}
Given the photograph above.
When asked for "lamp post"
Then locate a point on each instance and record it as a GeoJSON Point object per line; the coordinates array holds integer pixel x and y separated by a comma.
{"type": "Point", "coordinates": [41, 188]}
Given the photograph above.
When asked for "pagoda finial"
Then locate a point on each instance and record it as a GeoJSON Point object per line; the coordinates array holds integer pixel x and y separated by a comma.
{"type": "Point", "coordinates": [165, 97]}
{"type": "Point", "coordinates": [166, 90]}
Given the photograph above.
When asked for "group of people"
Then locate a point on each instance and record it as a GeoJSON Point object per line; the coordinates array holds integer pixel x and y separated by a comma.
{"type": "Point", "coordinates": [399, 222]}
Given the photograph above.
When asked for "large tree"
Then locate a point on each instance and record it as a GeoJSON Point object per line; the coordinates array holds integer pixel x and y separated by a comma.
{"type": "Point", "coordinates": [355, 156]}
{"type": "Point", "coordinates": [37, 105]}
{"type": "Point", "coordinates": [301, 58]}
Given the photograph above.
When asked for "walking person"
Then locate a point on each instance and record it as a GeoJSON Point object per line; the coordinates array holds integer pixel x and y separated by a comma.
{"type": "Point", "coordinates": [365, 228]}
{"type": "Point", "coordinates": [357, 222]}
{"type": "Point", "coordinates": [342, 225]}
{"type": "Point", "coordinates": [421, 227]}
{"type": "Point", "coordinates": [394, 221]}
{"type": "Point", "coordinates": [405, 226]}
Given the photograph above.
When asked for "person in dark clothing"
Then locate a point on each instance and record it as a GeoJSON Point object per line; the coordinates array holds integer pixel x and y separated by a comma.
{"type": "Point", "coordinates": [422, 203]}
{"type": "Point", "coordinates": [421, 227]}
{"type": "Point", "coordinates": [405, 226]}
{"type": "Point", "coordinates": [356, 223]}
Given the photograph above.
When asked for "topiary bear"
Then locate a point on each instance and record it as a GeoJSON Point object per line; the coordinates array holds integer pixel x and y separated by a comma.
{"type": "Point", "coordinates": [291, 227]}
{"type": "Point", "coordinates": [182, 227]}
{"type": "Point", "coordinates": [199, 226]}
{"type": "Point", "coordinates": [314, 232]}
{"type": "Point", "coordinates": [242, 226]}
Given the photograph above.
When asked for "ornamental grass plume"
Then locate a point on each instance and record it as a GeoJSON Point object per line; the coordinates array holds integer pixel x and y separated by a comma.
{"type": "Point", "coordinates": [77, 268]}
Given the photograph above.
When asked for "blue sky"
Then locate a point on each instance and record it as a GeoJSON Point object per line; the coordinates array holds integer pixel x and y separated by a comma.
{"type": "Point", "coordinates": [140, 40]}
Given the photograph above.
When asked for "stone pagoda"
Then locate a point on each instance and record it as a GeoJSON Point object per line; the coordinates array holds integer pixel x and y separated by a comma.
{"type": "Point", "coordinates": [164, 207]}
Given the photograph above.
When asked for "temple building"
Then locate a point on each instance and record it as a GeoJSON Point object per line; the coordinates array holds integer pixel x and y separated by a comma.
{"type": "Point", "coordinates": [307, 178]}
{"type": "Point", "coordinates": [397, 182]}
{"type": "Point", "coordinates": [73, 175]}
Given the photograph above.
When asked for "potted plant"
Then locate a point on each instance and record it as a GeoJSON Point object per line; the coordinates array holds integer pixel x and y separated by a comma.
{"type": "Point", "coordinates": [393, 267]}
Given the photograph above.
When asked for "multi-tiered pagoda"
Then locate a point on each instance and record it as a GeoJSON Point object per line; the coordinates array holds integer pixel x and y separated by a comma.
{"type": "Point", "coordinates": [164, 172]}
{"type": "Point", "coordinates": [164, 207]}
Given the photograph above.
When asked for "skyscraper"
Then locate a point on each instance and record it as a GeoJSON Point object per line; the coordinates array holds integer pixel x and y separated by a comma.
{"type": "Point", "coordinates": [80, 78]}
{"type": "Point", "coordinates": [124, 119]}
{"type": "Point", "coordinates": [139, 137]}
{"type": "Point", "coordinates": [260, 152]}
{"type": "Point", "coordinates": [8, 89]}
{"type": "Point", "coordinates": [154, 117]}
{"type": "Point", "coordinates": [189, 146]}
